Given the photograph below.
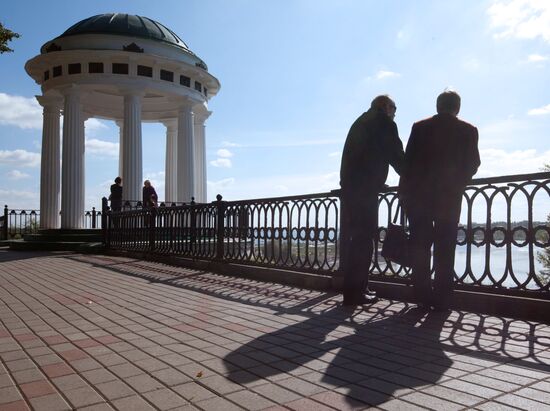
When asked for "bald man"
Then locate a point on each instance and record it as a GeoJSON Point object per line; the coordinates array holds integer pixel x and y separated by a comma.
{"type": "Point", "coordinates": [371, 146]}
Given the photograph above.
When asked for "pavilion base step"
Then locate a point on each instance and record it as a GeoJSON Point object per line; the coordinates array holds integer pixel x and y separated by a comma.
{"type": "Point", "coordinates": [22, 245]}
{"type": "Point", "coordinates": [79, 236]}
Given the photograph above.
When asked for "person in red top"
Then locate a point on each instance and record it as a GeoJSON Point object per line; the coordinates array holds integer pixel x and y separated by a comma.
{"type": "Point", "coordinates": [149, 195]}
{"type": "Point", "coordinates": [440, 159]}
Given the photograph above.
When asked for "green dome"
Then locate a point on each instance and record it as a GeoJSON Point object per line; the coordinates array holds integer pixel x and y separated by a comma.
{"type": "Point", "coordinates": [125, 25]}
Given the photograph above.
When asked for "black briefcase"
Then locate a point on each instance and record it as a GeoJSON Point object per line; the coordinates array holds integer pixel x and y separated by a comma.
{"type": "Point", "coordinates": [396, 245]}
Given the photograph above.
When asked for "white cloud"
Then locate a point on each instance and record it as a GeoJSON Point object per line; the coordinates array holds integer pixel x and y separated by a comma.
{"type": "Point", "coordinates": [17, 199]}
{"type": "Point", "coordinates": [217, 186]}
{"type": "Point", "coordinates": [335, 154]}
{"type": "Point", "coordinates": [382, 74]}
{"type": "Point", "coordinates": [20, 111]}
{"type": "Point", "coordinates": [539, 111]}
{"type": "Point", "coordinates": [221, 162]}
{"type": "Point", "coordinates": [22, 158]}
{"type": "Point", "coordinates": [536, 58]}
{"type": "Point", "coordinates": [230, 144]}
{"type": "Point", "coordinates": [223, 152]}
{"type": "Point", "coordinates": [101, 147]}
{"type": "Point", "coordinates": [497, 162]}
{"type": "Point", "coordinates": [17, 175]}
{"type": "Point", "coordinates": [524, 19]}
{"type": "Point", "coordinates": [93, 127]}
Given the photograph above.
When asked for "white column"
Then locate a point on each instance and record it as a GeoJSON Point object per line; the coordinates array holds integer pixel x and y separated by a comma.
{"type": "Point", "coordinates": [131, 145]}
{"type": "Point", "coordinates": [200, 156]}
{"type": "Point", "coordinates": [120, 125]}
{"type": "Point", "coordinates": [72, 173]}
{"type": "Point", "coordinates": [186, 154]}
{"type": "Point", "coordinates": [170, 175]}
{"type": "Point", "coordinates": [50, 165]}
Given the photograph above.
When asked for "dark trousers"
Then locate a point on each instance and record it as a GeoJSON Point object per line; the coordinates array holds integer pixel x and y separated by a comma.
{"type": "Point", "coordinates": [359, 227]}
{"type": "Point", "coordinates": [436, 223]}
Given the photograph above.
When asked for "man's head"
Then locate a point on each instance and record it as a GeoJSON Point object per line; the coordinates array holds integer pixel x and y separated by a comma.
{"type": "Point", "coordinates": [448, 102]}
{"type": "Point", "coordinates": [147, 183]}
{"type": "Point", "coordinates": [118, 180]}
{"type": "Point", "coordinates": [385, 104]}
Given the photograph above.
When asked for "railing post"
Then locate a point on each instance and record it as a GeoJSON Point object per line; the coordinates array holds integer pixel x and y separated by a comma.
{"type": "Point", "coordinates": [193, 223]}
{"type": "Point", "coordinates": [93, 217]}
{"type": "Point", "coordinates": [104, 208]}
{"type": "Point", "coordinates": [152, 228]}
{"type": "Point", "coordinates": [220, 229]}
{"type": "Point", "coordinates": [5, 226]}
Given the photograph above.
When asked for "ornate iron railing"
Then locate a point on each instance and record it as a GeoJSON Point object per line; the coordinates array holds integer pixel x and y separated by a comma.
{"type": "Point", "coordinates": [499, 240]}
{"type": "Point", "coordinates": [15, 223]}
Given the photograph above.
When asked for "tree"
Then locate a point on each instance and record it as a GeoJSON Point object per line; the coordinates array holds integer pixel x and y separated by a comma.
{"type": "Point", "coordinates": [544, 256]}
{"type": "Point", "coordinates": [5, 36]}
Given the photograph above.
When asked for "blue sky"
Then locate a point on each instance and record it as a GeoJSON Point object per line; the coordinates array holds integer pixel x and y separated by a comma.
{"type": "Point", "coordinates": [294, 76]}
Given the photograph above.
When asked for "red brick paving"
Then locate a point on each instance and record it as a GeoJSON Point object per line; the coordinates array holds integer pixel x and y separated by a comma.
{"type": "Point", "coordinates": [211, 342]}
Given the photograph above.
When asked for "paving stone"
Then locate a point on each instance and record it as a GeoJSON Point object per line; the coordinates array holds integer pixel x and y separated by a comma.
{"type": "Point", "coordinates": [193, 392]}
{"type": "Point", "coordinates": [99, 376]}
{"type": "Point", "coordinates": [399, 405]}
{"type": "Point", "coordinates": [125, 370]}
{"type": "Point", "coordinates": [523, 403]}
{"type": "Point", "coordinates": [429, 401]}
{"type": "Point", "coordinates": [15, 406]}
{"type": "Point", "coordinates": [220, 384]}
{"type": "Point", "coordinates": [114, 389]}
{"type": "Point", "coordinates": [216, 404]}
{"type": "Point", "coordinates": [134, 403]}
{"type": "Point", "coordinates": [143, 383]}
{"type": "Point", "coordinates": [250, 400]}
{"type": "Point", "coordinates": [57, 370]}
{"type": "Point", "coordinates": [83, 396]}
{"type": "Point", "coordinates": [37, 388]}
{"type": "Point", "coordinates": [69, 382]}
{"type": "Point", "coordinates": [170, 376]}
{"type": "Point", "coordinates": [9, 394]}
{"type": "Point", "coordinates": [165, 399]}
{"type": "Point", "coordinates": [275, 393]}
{"type": "Point", "coordinates": [52, 402]}
{"type": "Point", "coordinates": [29, 375]}
{"type": "Point", "coordinates": [338, 401]}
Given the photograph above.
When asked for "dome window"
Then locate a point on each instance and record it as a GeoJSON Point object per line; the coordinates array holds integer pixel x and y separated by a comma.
{"type": "Point", "coordinates": [198, 86]}
{"type": "Point", "coordinates": [95, 68]}
{"type": "Point", "coordinates": [145, 71]}
{"type": "Point", "coordinates": [185, 81]}
{"type": "Point", "coordinates": [205, 92]}
{"type": "Point", "coordinates": [167, 75]}
{"type": "Point", "coordinates": [120, 68]}
{"type": "Point", "coordinates": [74, 68]}
{"type": "Point", "coordinates": [57, 71]}
{"type": "Point", "coordinates": [46, 75]}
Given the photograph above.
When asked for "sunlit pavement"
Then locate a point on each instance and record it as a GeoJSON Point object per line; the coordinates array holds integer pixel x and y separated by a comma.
{"type": "Point", "coordinates": [98, 333]}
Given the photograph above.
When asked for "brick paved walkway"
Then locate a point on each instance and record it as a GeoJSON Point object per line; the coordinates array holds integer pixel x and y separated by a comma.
{"type": "Point", "coordinates": [100, 333]}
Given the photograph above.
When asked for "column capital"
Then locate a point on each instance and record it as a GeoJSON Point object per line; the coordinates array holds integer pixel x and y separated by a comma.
{"type": "Point", "coordinates": [201, 116]}
{"type": "Point", "coordinates": [131, 92]}
{"type": "Point", "coordinates": [171, 124]}
{"type": "Point", "coordinates": [71, 90]}
{"type": "Point", "coordinates": [51, 102]}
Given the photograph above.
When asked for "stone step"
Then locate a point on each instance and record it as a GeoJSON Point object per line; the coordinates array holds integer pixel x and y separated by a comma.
{"type": "Point", "coordinates": [63, 237]}
{"type": "Point", "coordinates": [22, 245]}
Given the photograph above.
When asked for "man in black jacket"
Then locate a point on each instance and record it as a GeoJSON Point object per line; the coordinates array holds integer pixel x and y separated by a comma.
{"type": "Point", "coordinates": [441, 158]}
{"type": "Point", "coordinates": [371, 146]}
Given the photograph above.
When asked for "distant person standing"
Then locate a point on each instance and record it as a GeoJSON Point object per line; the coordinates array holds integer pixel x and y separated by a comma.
{"type": "Point", "coordinates": [441, 158]}
{"type": "Point", "coordinates": [149, 195]}
{"type": "Point", "coordinates": [116, 195]}
{"type": "Point", "coordinates": [371, 146]}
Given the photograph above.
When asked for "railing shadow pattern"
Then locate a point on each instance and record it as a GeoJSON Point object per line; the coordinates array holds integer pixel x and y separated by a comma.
{"type": "Point", "coordinates": [301, 233]}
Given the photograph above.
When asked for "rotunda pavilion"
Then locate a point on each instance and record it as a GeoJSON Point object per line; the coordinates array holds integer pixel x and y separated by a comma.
{"type": "Point", "coordinates": [129, 69]}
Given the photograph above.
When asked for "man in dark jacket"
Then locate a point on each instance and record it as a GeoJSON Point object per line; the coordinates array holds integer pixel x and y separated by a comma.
{"type": "Point", "coordinates": [441, 158]}
{"type": "Point", "coordinates": [116, 195]}
{"type": "Point", "coordinates": [372, 144]}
